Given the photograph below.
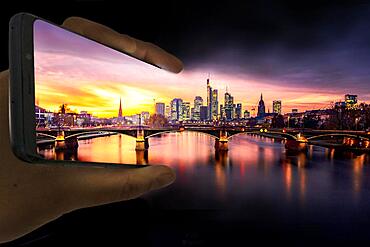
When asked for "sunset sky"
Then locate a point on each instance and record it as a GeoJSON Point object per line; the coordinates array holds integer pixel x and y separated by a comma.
{"type": "Point", "coordinates": [90, 77]}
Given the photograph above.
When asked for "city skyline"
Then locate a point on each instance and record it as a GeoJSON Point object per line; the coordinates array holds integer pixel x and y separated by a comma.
{"type": "Point", "coordinates": [254, 110]}
{"type": "Point", "coordinates": [97, 76]}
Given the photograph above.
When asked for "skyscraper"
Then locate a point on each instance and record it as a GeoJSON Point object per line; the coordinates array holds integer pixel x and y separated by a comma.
{"type": "Point", "coordinates": [238, 111]}
{"type": "Point", "coordinates": [247, 114]}
{"type": "Point", "coordinates": [233, 112]}
{"type": "Point", "coordinates": [222, 112]}
{"type": "Point", "coordinates": [261, 108]}
{"type": "Point", "coordinates": [168, 111]}
{"type": "Point", "coordinates": [209, 100]}
{"type": "Point", "coordinates": [198, 102]}
{"type": "Point", "coordinates": [185, 111]}
{"type": "Point", "coordinates": [276, 106]}
{"type": "Point", "coordinates": [160, 108]}
{"type": "Point", "coordinates": [203, 113]}
{"type": "Point", "coordinates": [229, 106]}
{"type": "Point", "coordinates": [176, 109]}
{"type": "Point", "coordinates": [214, 110]}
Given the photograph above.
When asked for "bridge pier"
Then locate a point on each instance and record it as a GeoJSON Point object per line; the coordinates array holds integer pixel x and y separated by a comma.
{"type": "Point", "coordinates": [222, 144]}
{"type": "Point", "coordinates": [60, 145]}
{"type": "Point", "coordinates": [60, 141]}
{"type": "Point", "coordinates": [68, 143]}
{"type": "Point", "coordinates": [294, 146]}
{"type": "Point", "coordinates": [142, 143]}
{"type": "Point", "coordinates": [141, 157]}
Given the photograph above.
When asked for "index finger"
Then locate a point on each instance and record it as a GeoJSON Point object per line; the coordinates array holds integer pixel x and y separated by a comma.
{"type": "Point", "coordinates": [145, 51]}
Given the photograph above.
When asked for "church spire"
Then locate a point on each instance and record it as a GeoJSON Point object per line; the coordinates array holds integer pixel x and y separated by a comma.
{"type": "Point", "coordinates": [120, 108]}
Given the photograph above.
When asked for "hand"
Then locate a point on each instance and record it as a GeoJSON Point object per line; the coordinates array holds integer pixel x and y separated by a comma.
{"type": "Point", "coordinates": [32, 195]}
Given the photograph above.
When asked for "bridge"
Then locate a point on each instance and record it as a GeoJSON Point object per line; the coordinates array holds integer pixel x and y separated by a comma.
{"type": "Point", "coordinates": [296, 138]}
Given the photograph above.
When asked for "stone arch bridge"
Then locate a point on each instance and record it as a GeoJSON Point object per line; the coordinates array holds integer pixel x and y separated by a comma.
{"type": "Point", "coordinates": [222, 135]}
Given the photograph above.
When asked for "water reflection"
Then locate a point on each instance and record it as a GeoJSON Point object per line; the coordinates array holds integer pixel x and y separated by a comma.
{"type": "Point", "coordinates": [253, 168]}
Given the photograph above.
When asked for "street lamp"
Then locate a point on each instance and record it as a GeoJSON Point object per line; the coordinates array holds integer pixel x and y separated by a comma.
{"type": "Point", "coordinates": [356, 122]}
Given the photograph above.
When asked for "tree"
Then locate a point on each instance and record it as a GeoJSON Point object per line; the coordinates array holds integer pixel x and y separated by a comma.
{"type": "Point", "coordinates": [310, 121]}
{"type": "Point", "coordinates": [158, 121]}
{"type": "Point", "coordinates": [278, 121]}
{"type": "Point", "coordinates": [64, 108]}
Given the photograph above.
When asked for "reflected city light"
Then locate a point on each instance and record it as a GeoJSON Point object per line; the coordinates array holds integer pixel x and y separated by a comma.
{"type": "Point", "coordinates": [253, 164]}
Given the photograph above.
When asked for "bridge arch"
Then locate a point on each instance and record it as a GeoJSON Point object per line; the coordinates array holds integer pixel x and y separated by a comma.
{"type": "Point", "coordinates": [96, 132]}
{"type": "Point", "coordinates": [286, 135]}
{"type": "Point", "coordinates": [174, 131]}
{"type": "Point", "coordinates": [46, 135]}
{"type": "Point", "coordinates": [337, 134]}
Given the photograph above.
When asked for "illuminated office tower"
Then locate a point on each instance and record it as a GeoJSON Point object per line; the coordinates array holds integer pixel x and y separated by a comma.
{"type": "Point", "coordinates": [168, 111]}
{"type": "Point", "coordinates": [351, 100]}
{"type": "Point", "coordinates": [160, 108]}
{"type": "Point", "coordinates": [233, 112]}
{"type": "Point", "coordinates": [214, 104]}
{"type": "Point", "coordinates": [198, 102]}
{"type": "Point", "coordinates": [247, 114]}
{"type": "Point", "coordinates": [261, 108]}
{"type": "Point", "coordinates": [222, 112]}
{"type": "Point", "coordinates": [238, 111]}
{"type": "Point", "coordinates": [229, 106]}
{"type": "Point", "coordinates": [185, 111]}
{"type": "Point", "coordinates": [176, 109]}
{"type": "Point", "coordinates": [209, 100]}
{"type": "Point", "coordinates": [203, 113]}
{"type": "Point", "coordinates": [276, 106]}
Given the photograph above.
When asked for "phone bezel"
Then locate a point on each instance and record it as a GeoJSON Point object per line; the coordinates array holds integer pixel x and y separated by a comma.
{"type": "Point", "coordinates": [22, 93]}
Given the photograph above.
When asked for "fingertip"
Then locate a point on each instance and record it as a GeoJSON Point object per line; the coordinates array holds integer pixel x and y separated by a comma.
{"type": "Point", "coordinates": [162, 176]}
{"type": "Point", "coordinates": [70, 21]}
{"type": "Point", "coordinates": [178, 66]}
{"type": "Point", "coordinates": [174, 66]}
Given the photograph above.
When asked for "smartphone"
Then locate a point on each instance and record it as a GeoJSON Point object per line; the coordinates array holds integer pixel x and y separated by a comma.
{"type": "Point", "coordinates": [67, 91]}
{"type": "Point", "coordinates": [76, 101]}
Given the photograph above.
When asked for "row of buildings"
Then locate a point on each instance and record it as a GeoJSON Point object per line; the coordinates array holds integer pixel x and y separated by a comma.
{"type": "Point", "coordinates": [64, 117]}
{"type": "Point", "coordinates": [180, 110]}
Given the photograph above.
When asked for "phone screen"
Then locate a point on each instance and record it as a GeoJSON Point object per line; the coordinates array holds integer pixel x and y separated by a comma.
{"type": "Point", "coordinates": [88, 95]}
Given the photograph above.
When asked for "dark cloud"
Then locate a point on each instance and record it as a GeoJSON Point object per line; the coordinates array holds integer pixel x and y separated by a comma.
{"type": "Point", "coordinates": [319, 45]}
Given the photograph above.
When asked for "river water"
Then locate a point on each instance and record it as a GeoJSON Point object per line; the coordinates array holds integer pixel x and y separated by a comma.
{"type": "Point", "coordinates": [321, 194]}
{"type": "Point", "coordinates": [254, 169]}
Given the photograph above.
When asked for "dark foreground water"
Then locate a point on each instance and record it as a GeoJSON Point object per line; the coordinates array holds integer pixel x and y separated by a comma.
{"type": "Point", "coordinates": [254, 192]}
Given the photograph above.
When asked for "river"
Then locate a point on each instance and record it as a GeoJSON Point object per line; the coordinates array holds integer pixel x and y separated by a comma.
{"type": "Point", "coordinates": [255, 189]}
{"type": "Point", "coordinates": [254, 169]}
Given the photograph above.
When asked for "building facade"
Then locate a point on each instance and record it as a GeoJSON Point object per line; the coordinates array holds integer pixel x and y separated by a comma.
{"type": "Point", "coordinates": [229, 106]}
{"type": "Point", "coordinates": [160, 108]}
{"type": "Point", "coordinates": [198, 102]}
{"type": "Point", "coordinates": [261, 108]}
{"type": "Point", "coordinates": [176, 109]}
{"type": "Point", "coordinates": [276, 106]}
